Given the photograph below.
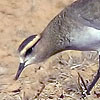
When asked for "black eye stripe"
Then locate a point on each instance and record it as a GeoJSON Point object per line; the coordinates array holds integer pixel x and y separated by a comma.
{"type": "Point", "coordinates": [28, 52]}
{"type": "Point", "coordinates": [30, 49]}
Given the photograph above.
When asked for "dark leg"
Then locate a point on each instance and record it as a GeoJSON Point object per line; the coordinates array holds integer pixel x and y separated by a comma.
{"type": "Point", "coordinates": [94, 80]}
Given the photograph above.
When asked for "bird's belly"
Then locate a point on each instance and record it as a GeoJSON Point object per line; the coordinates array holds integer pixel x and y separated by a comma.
{"type": "Point", "coordinates": [87, 40]}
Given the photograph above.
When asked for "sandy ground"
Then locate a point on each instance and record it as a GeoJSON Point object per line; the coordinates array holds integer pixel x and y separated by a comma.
{"type": "Point", "coordinates": [54, 79]}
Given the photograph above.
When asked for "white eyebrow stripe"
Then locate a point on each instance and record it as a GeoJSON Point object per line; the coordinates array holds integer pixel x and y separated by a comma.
{"type": "Point", "coordinates": [30, 44]}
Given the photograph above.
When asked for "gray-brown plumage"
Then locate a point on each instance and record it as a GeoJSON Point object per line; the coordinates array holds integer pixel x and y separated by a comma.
{"type": "Point", "coordinates": [77, 27]}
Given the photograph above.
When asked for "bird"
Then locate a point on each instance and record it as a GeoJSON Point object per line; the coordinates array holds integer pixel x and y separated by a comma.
{"type": "Point", "coordinates": [76, 27]}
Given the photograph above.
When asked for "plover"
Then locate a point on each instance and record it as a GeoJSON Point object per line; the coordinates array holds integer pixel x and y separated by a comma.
{"type": "Point", "coordinates": [76, 27]}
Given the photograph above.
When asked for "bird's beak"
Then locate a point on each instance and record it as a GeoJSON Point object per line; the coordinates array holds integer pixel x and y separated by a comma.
{"type": "Point", "coordinates": [20, 69]}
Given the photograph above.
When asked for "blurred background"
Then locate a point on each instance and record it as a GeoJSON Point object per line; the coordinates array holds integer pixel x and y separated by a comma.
{"type": "Point", "coordinates": [54, 79]}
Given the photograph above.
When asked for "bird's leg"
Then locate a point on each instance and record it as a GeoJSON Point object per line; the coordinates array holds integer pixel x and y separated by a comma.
{"type": "Point", "coordinates": [94, 80]}
{"type": "Point", "coordinates": [82, 85]}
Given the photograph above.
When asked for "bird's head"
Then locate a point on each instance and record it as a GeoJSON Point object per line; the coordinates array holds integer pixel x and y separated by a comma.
{"type": "Point", "coordinates": [26, 53]}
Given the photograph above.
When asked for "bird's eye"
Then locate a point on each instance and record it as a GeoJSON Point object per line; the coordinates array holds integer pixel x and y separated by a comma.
{"type": "Point", "coordinates": [28, 51]}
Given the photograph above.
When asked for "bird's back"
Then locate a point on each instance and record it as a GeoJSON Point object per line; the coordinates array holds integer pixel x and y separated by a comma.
{"type": "Point", "coordinates": [86, 12]}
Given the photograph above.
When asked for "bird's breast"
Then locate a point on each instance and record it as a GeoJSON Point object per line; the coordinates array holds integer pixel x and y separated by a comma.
{"type": "Point", "coordinates": [86, 39]}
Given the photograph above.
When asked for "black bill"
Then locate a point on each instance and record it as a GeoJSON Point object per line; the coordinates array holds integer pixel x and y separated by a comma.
{"type": "Point", "coordinates": [20, 69]}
